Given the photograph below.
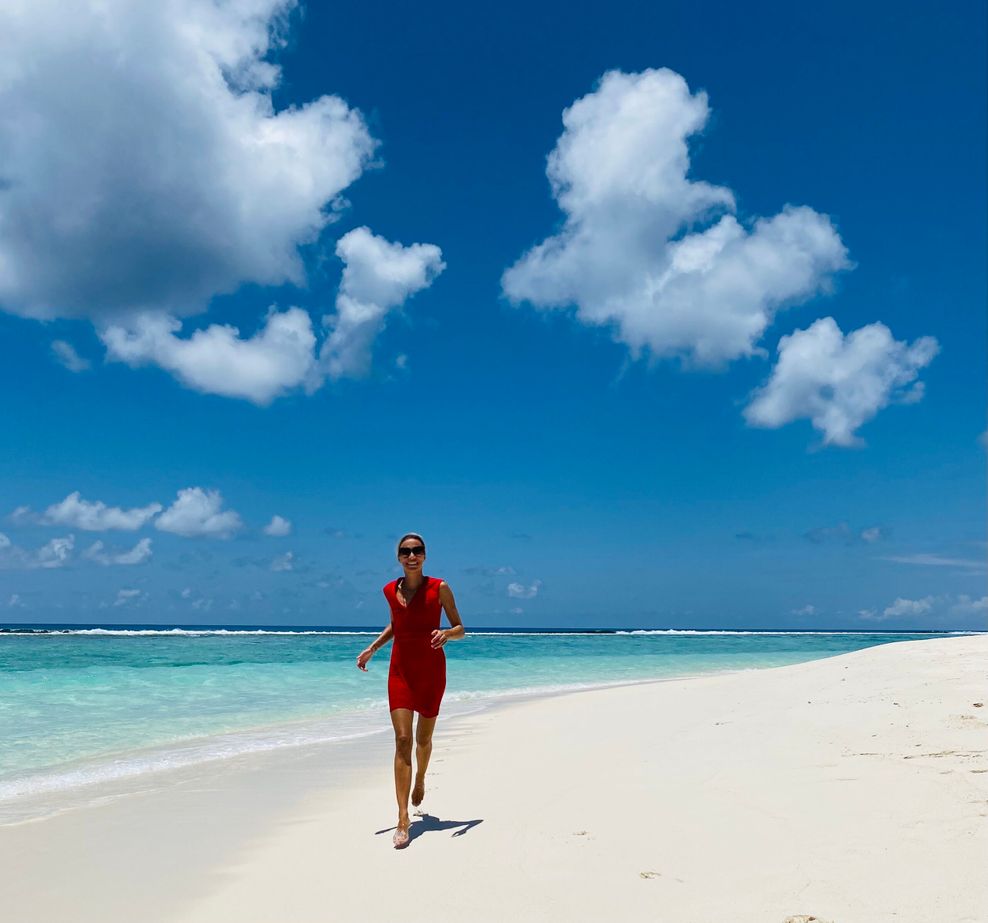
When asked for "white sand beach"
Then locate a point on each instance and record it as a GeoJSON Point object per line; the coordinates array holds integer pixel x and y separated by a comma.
{"type": "Point", "coordinates": [850, 790]}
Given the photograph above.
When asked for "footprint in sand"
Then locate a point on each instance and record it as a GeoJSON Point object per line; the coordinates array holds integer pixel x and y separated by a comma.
{"type": "Point", "coordinates": [804, 918]}
{"type": "Point", "coordinates": [649, 874]}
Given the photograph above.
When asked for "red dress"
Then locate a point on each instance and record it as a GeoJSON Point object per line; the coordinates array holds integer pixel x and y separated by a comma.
{"type": "Point", "coordinates": [417, 678]}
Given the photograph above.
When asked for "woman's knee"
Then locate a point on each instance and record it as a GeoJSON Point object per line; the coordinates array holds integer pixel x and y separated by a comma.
{"type": "Point", "coordinates": [423, 740]}
{"type": "Point", "coordinates": [403, 744]}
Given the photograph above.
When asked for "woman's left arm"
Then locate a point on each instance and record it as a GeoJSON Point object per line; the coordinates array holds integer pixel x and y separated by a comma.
{"type": "Point", "coordinates": [456, 630]}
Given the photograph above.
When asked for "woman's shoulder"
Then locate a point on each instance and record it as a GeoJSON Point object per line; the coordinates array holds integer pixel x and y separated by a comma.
{"type": "Point", "coordinates": [390, 588]}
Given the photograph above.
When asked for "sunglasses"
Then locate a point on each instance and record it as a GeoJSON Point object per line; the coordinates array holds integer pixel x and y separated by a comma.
{"type": "Point", "coordinates": [414, 549]}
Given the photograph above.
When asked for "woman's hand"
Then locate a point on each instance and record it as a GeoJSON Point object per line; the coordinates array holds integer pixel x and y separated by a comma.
{"type": "Point", "coordinates": [439, 638]}
{"type": "Point", "coordinates": [363, 658]}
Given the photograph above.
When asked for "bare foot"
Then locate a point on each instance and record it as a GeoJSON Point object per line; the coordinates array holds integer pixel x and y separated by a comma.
{"type": "Point", "coordinates": [418, 793]}
{"type": "Point", "coordinates": [400, 839]}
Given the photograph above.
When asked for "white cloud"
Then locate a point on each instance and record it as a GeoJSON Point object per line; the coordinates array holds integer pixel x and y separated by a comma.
{"type": "Point", "coordinates": [965, 605]}
{"type": "Point", "coordinates": [94, 515]}
{"type": "Point", "coordinates": [520, 591]}
{"type": "Point", "coordinates": [839, 382]}
{"type": "Point", "coordinates": [15, 602]}
{"type": "Point", "coordinates": [128, 597]}
{"type": "Point", "coordinates": [278, 526]}
{"type": "Point", "coordinates": [65, 353]}
{"type": "Point", "coordinates": [653, 254]}
{"type": "Point", "coordinates": [486, 570]}
{"type": "Point", "coordinates": [140, 553]}
{"type": "Point", "coordinates": [283, 562]}
{"type": "Point", "coordinates": [808, 609]}
{"type": "Point", "coordinates": [55, 553]}
{"type": "Point", "coordinates": [909, 607]}
{"type": "Point", "coordinates": [145, 167]}
{"type": "Point", "coordinates": [943, 610]}
{"type": "Point", "coordinates": [198, 512]}
{"type": "Point", "coordinates": [217, 360]}
{"type": "Point", "coordinates": [378, 276]}
{"type": "Point", "coordinates": [843, 533]}
{"type": "Point", "coordinates": [936, 560]}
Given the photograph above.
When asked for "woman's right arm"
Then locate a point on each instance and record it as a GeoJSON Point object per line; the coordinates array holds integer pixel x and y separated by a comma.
{"type": "Point", "coordinates": [363, 658]}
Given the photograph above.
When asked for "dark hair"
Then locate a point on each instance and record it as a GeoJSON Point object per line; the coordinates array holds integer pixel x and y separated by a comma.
{"type": "Point", "coordinates": [410, 535]}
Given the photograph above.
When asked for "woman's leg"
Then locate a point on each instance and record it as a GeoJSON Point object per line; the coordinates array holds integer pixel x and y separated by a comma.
{"type": "Point", "coordinates": [401, 718]}
{"type": "Point", "coordinates": [423, 751]}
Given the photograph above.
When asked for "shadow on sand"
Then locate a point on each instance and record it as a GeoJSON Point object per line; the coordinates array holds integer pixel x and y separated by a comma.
{"type": "Point", "coordinates": [426, 823]}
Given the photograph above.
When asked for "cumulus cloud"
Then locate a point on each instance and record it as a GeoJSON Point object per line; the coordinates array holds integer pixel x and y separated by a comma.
{"type": "Point", "coordinates": [199, 512]}
{"type": "Point", "coordinates": [908, 607]}
{"type": "Point", "coordinates": [808, 609]}
{"type": "Point", "coordinates": [943, 609]}
{"type": "Point", "coordinates": [140, 553]}
{"type": "Point", "coordinates": [966, 605]}
{"type": "Point", "coordinates": [65, 353]}
{"type": "Point", "coordinates": [278, 526]}
{"type": "Point", "coordinates": [217, 360]}
{"type": "Point", "coordinates": [55, 553]}
{"type": "Point", "coordinates": [378, 276]}
{"type": "Point", "coordinates": [844, 534]}
{"type": "Point", "coordinates": [128, 597]}
{"type": "Point", "coordinates": [658, 257]}
{"type": "Point", "coordinates": [520, 591]}
{"type": "Point", "coordinates": [839, 382]}
{"type": "Point", "coordinates": [145, 167]}
{"type": "Point", "coordinates": [283, 562]}
{"type": "Point", "coordinates": [93, 515]}
{"type": "Point", "coordinates": [485, 570]}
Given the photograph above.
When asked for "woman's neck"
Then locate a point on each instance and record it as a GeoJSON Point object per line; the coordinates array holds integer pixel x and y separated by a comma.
{"type": "Point", "coordinates": [412, 581]}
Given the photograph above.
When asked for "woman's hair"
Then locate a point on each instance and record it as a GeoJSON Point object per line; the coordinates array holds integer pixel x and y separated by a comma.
{"type": "Point", "coordinates": [410, 535]}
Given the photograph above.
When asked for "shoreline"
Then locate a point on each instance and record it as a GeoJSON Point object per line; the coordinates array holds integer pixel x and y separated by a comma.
{"type": "Point", "coordinates": [731, 784]}
{"type": "Point", "coordinates": [74, 794]}
{"type": "Point", "coordinates": [169, 628]}
{"type": "Point", "coordinates": [103, 790]}
{"type": "Point", "coordinates": [51, 791]}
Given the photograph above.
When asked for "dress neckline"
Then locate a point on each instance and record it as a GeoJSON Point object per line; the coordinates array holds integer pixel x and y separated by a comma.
{"type": "Point", "coordinates": [418, 592]}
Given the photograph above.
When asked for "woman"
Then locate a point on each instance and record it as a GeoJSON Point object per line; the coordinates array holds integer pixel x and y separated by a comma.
{"type": "Point", "coordinates": [417, 678]}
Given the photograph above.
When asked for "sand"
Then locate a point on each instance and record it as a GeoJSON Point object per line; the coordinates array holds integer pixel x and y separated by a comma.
{"type": "Point", "coordinates": [849, 790]}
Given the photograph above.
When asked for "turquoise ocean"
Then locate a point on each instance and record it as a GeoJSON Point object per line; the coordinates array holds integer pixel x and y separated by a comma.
{"type": "Point", "coordinates": [84, 705]}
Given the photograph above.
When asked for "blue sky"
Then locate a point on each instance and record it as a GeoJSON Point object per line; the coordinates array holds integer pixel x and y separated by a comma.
{"type": "Point", "coordinates": [648, 421]}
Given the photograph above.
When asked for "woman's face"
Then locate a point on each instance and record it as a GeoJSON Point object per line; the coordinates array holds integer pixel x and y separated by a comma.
{"type": "Point", "coordinates": [411, 555]}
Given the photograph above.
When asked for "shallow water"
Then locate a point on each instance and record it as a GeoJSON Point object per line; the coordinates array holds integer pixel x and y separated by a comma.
{"type": "Point", "coordinates": [84, 705]}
